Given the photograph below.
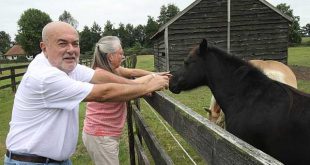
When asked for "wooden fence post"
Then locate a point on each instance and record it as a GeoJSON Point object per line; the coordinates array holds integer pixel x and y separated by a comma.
{"type": "Point", "coordinates": [131, 139]}
{"type": "Point", "coordinates": [13, 81]}
{"type": "Point", "coordinates": [137, 103]}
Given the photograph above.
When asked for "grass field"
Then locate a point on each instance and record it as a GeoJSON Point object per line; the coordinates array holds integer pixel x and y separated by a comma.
{"type": "Point", "coordinates": [305, 41]}
{"type": "Point", "coordinates": [299, 56]}
{"type": "Point", "coordinates": [6, 103]}
{"type": "Point", "coordinates": [196, 99]}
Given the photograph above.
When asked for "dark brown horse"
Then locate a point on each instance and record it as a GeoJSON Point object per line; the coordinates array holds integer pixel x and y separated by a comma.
{"type": "Point", "coordinates": [267, 114]}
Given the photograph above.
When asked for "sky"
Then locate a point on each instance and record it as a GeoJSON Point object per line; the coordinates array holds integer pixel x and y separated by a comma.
{"type": "Point", "coordinates": [135, 12]}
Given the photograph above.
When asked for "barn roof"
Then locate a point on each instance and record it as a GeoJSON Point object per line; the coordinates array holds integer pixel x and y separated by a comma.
{"type": "Point", "coordinates": [15, 50]}
{"type": "Point", "coordinates": [160, 30]}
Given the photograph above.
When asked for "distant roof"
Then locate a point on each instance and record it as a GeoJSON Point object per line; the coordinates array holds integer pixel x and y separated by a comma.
{"type": "Point", "coordinates": [290, 19]}
{"type": "Point", "coordinates": [15, 50]}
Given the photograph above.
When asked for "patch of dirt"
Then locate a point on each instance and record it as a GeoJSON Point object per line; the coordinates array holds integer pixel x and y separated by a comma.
{"type": "Point", "coordinates": [301, 72]}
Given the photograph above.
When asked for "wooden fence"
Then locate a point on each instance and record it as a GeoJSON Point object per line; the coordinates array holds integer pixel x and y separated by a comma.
{"type": "Point", "coordinates": [13, 74]}
{"type": "Point", "coordinates": [214, 144]}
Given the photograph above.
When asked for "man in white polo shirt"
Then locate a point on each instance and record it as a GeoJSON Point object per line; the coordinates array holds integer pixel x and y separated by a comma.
{"type": "Point", "coordinates": [44, 124]}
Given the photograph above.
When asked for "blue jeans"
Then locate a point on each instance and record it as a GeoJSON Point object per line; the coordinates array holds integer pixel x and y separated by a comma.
{"type": "Point", "coordinates": [8, 161]}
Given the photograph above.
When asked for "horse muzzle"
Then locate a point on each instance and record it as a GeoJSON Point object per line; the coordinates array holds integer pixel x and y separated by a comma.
{"type": "Point", "coordinates": [173, 86]}
{"type": "Point", "coordinates": [174, 90]}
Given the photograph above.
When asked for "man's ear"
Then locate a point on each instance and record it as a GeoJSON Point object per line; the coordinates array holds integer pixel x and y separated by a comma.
{"type": "Point", "coordinates": [43, 46]}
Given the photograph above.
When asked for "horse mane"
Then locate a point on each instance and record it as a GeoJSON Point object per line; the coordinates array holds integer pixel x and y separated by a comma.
{"type": "Point", "coordinates": [244, 69]}
{"type": "Point", "coordinates": [226, 55]}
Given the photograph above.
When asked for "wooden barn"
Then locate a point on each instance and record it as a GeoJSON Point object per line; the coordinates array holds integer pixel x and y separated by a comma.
{"type": "Point", "coordinates": [251, 29]}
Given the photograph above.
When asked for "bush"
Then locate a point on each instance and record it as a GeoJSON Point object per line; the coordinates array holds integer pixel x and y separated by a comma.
{"type": "Point", "coordinates": [146, 51]}
{"type": "Point", "coordinates": [86, 56]}
{"type": "Point", "coordinates": [5, 61]}
{"type": "Point", "coordinates": [137, 49]}
{"type": "Point", "coordinates": [130, 61]}
{"type": "Point", "coordinates": [21, 59]}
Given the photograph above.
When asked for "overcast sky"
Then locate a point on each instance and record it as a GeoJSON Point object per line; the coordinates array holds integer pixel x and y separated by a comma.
{"type": "Point", "coordinates": [117, 11]}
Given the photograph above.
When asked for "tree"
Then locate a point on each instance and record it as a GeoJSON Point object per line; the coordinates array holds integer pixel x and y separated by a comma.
{"type": "Point", "coordinates": [294, 29]}
{"type": "Point", "coordinates": [109, 29]}
{"type": "Point", "coordinates": [96, 33]}
{"type": "Point", "coordinates": [139, 34]}
{"type": "Point", "coordinates": [89, 37]}
{"type": "Point", "coordinates": [122, 34]}
{"type": "Point", "coordinates": [172, 10]}
{"type": "Point", "coordinates": [306, 30]}
{"type": "Point", "coordinates": [150, 29]}
{"type": "Point", "coordinates": [29, 34]}
{"type": "Point", "coordinates": [162, 18]}
{"type": "Point", "coordinates": [166, 13]}
{"type": "Point", "coordinates": [129, 35]}
{"type": "Point", "coordinates": [85, 37]}
{"type": "Point", "coordinates": [125, 33]}
{"type": "Point", "coordinates": [5, 41]}
{"type": "Point", "coordinates": [66, 17]}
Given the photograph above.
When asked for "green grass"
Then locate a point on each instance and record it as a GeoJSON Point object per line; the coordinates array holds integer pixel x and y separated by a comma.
{"type": "Point", "coordinates": [305, 40]}
{"type": "Point", "coordinates": [145, 62]}
{"type": "Point", "coordinates": [166, 140]}
{"type": "Point", "coordinates": [304, 86]}
{"type": "Point", "coordinates": [13, 64]}
{"type": "Point", "coordinates": [299, 56]}
{"type": "Point", "coordinates": [6, 103]}
{"type": "Point", "coordinates": [191, 99]}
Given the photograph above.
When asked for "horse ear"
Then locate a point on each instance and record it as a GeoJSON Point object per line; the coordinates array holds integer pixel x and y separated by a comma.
{"type": "Point", "coordinates": [203, 46]}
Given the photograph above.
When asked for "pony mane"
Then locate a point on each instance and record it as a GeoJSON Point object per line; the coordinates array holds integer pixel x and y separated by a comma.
{"type": "Point", "coordinates": [227, 55]}
{"type": "Point", "coordinates": [245, 68]}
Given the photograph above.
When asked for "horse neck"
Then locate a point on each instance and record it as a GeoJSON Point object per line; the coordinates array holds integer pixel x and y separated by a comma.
{"type": "Point", "coordinates": [222, 78]}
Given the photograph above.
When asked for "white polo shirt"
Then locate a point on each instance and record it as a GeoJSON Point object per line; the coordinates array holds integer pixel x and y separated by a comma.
{"type": "Point", "coordinates": [45, 118]}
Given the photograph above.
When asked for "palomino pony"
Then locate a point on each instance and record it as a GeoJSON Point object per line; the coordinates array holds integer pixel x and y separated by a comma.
{"type": "Point", "coordinates": [267, 114]}
{"type": "Point", "coordinates": [273, 69]}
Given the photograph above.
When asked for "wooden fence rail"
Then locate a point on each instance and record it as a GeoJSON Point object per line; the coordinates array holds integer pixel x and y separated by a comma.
{"type": "Point", "coordinates": [13, 75]}
{"type": "Point", "coordinates": [214, 144]}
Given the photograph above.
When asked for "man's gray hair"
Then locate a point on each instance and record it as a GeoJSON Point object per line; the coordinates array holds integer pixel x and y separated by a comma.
{"type": "Point", "coordinates": [44, 33]}
{"type": "Point", "coordinates": [106, 45]}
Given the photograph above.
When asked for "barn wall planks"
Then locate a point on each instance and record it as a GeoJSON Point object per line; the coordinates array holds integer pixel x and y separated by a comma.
{"type": "Point", "coordinates": [257, 32]}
